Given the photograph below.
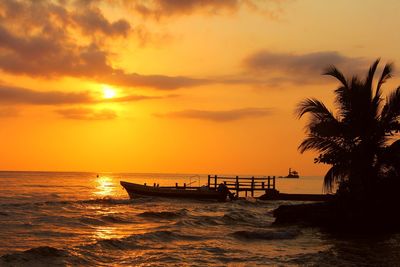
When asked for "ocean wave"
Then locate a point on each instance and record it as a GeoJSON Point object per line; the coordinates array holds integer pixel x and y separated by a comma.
{"type": "Point", "coordinates": [108, 201]}
{"type": "Point", "coordinates": [163, 214]}
{"type": "Point", "coordinates": [41, 256]}
{"type": "Point", "coordinates": [48, 234]}
{"type": "Point", "coordinates": [265, 235]}
{"type": "Point", "coordinates": [141, 241]}
{"type": "Point", "coordinates": [114, 219]}
{"type": "Point", "coordinates": [239, 216]}
{"type": "Point", "coordinates": [199, 221]}
{"type": "Point", "coordinates": [166, 236]}
{"type": "Point", "coordinates": [91, 221]}
{"type": "Point", "coordinates": [114, 243]}
{"type": "Point", "coordinates": [105, 201]}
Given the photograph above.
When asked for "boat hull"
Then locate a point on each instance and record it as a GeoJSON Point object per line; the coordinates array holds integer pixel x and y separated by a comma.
{"type": "Point", "coordinates": [138, 190]}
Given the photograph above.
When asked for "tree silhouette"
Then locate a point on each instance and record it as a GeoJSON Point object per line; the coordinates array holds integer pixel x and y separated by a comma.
{"type": "Point", "coordinates": [360, 139]}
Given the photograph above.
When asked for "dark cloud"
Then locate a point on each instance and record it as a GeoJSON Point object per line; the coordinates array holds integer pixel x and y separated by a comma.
{"type": "Point", "coordinates": [62, 17]}
{"type": "Point", "coordinates": [15, 95]}
{"type": "Point", "coordinates": [37, 38]}
{"type": "Point", "coordinates": [159, 8]}
{"type": "Point", "coordinates": [87, 114]}
{"type": "Point", "coordinates": [220, 115]}
{"type": "Point", "coordinates": [278, 68]}
{"type": "Point", "coordinates": [91, 20]}
{"type": "Point", "coordinates": [168, 8]}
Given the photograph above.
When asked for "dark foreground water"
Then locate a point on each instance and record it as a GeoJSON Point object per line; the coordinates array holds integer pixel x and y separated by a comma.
{"type": "Point", "coordinates": [78, 219]}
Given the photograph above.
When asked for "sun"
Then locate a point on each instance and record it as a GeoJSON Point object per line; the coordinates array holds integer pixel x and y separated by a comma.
{"type": "Point", "coordinates": [108, 92]}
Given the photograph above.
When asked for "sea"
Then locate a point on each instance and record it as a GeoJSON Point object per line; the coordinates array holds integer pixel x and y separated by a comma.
{"type": "Point", "coordinates": [87, 219]}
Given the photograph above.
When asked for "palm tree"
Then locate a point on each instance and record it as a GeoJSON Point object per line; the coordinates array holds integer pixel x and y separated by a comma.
{"type": "Point", "coordinates": [360, 139]}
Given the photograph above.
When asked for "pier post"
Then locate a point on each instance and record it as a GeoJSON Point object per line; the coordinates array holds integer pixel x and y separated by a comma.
{"type": "Point", "coordinates": [215, 182]}
{"type": "Point", "coordinates": [209, 180]}
{"type": "Point", "coordinates": [237, 186]}
{"type": "Point", "coordinates": [269, 182]}
{"type": "Point", "coordinates": [262, 185]}
{"type": "Point", "coordinates": [184, 185]}
{"type": "Point", "coordinates": [252, 186]}
{"type": "Point", "coordinates": [273, 182]}
{"type": "Point", "coordinates": [176, 185]}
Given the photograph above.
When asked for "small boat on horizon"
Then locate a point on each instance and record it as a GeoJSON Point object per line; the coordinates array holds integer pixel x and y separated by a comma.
{"type": "Point", "coordinates": [292, 174]}
{"type": "Point", "coordinates": [139, 190]}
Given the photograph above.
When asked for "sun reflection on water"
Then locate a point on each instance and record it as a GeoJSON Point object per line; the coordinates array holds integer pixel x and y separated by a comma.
{"type": "Point", "coordinates": [106, 232]}
{"type": "Point", "coordinates": [105, 186]}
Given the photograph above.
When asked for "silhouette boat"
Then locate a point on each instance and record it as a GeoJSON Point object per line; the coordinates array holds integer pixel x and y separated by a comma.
{"type": "Point", "coordinates": [139, 190]}
{"type": "Point", "coordinates": [292, 174]}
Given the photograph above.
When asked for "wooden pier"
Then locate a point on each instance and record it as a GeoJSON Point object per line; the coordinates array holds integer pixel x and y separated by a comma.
{"type": "Point", "coordinates": [243, 184]}
{"type": "Point", "coordinates": [267, 184]}
{"type": "Point", "coordinates": [250, 185]}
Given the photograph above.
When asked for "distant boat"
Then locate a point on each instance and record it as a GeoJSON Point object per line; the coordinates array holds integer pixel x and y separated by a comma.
{"type": "Point", "coordinates": [292, 174]}
{"type": "Point", "coordinates": [138, 190]}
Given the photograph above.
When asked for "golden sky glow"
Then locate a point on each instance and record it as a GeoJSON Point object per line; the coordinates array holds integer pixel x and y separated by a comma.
{"type": "Point", "coordinates": [176, 86]}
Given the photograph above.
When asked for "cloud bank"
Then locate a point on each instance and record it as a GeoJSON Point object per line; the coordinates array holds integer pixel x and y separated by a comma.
{"type": "Point", "coordinates": [16, 95]}
{"type": "Point", "coordinates": [219, 115]}
{"type": "Point", "coordinates": [299, 69]}
{"type": "Point", "coordinates": [52, 39]}
{"type": "Point", "coordinates": [158, 9]}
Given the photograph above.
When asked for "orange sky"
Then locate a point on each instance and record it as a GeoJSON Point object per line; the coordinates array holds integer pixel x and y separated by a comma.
{"type": "Point", "coordinates": [176, 86]}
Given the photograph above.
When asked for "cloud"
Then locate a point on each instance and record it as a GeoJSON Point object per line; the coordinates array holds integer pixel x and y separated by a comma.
{"type": "Point", "coordinates": [159, 8]}
{"type": "Point", "coordinates": [168, 8]}
{"type": "Point", "coordinates": [39, 39]}
{"type": "Point", "coordinates": [133, 98]}
{"type": "Point", "coordinates": [277, 68]}
{"type": "Point", "coordinates": [92, 20]}
{"type": "Point", "coordinates": [161, 82]}
{"type": "Point", "coordinates": [62, 17]}
{"type": "Point", "coordinates": [16, 95]}
{"type": "Point", "coordinates": [87, 114]}
{"type": "Point", "coordinates": [220, 115]}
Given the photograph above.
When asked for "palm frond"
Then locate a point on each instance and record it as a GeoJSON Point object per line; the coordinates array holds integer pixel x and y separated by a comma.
{"type": "Point", "coordinates": [315, 107]}
{"type": "Point", "coordinates": [334, 72]}
{"type": "Point", "coordinates": [335, 175]}
{"type": "Point", "coordinates": [321, 144]}
{"type": "Point", "coordinates": [386, 74]}
{"type": "Point", "coordinates": [325, 128]}
{"type": "Point", "coordinates": [391, 110]}
{"type": "Point", "coordinates": [371, 74]}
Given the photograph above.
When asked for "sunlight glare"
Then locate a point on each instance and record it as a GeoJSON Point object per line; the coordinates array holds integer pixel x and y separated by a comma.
{"type": "Point", "coordinates": [108, 92]}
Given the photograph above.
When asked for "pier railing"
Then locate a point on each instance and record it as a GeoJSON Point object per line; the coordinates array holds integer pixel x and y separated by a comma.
{"type": "Point", "coordinates": [240, 184]}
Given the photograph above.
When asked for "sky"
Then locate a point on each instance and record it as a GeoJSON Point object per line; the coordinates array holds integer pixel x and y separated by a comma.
{"type": "Point", "coordinates": [177, 86]}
